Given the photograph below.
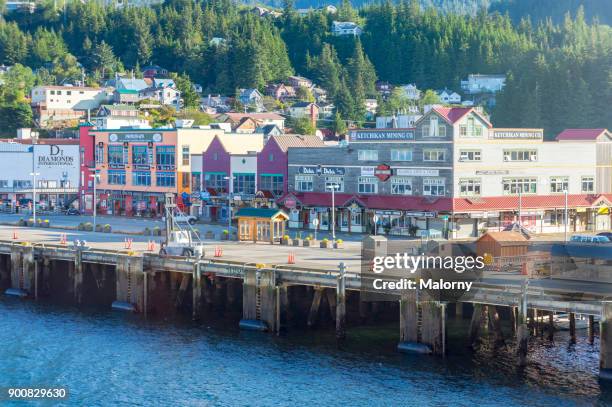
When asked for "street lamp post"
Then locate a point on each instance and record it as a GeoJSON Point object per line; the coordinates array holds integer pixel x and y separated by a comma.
{"type": "Point", "coordinates": [565, 217]}
{"type": "Point", "coordinates": [95, 181]}
{"type": "Point", "coordinates": [230, 187]}
{"type": "Point", "coordinates": [34, 174]}
{"type": "Point", "coordinates": [333, 188]}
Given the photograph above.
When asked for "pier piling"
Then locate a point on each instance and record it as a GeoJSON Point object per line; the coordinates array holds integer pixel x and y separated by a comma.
{"type": "Point", "coordinates": [522, 332]}
{"type": "Point", "coordinates": [341, 304]}
{"type": "Point", "coordinates": [605, 342]}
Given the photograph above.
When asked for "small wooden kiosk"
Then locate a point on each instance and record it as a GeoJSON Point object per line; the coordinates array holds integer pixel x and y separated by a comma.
{"type": "Point", "coordinates": [261, 224]}
{"type": "Point", "coordinates": [503, 244]}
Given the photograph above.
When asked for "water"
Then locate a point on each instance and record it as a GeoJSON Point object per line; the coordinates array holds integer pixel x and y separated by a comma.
{"type": "Point", "coordinates": [106, 358]}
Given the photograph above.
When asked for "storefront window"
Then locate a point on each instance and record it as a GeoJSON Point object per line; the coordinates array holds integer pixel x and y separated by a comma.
{"type": "Point", "coordinates": [196, 181]}
{"type": "Point", "coordinates": [165, 179]}
{"type": "Point", "coordinates": [469, 187]}
{"type": "Point", "coordinates": [115, 155]}
{"type": "Point", "coordinates": [304, 183]}
{"type": "Point", "coordinates": [588, 184]}
{"type": "Point", "coordinates": [141, 178]}
{"type": "Point", "coordinates": [559, 184]}
{"type": "Point", "coordinates": [185, 155]}
{"type": "Point", "coordinates": [22, 183]}
{"type": "Point", "coordinates": [215, 180]}
{"type": "Point", "coordinates": [433, 186]}
{"type": "Point", "coordinates": [520, 185]}
{"type": "Point", "coordinates": [272, 183]}
{"type": "Point", "coordinates": [99, 154]}
{"type": "Point", "coordinates": [434, 155]}
{"type": "Point", "coordinates": [367, 185]}
{"type": "Point", "coordinates": [140, 155]}
{"type": "Point", "coordinates": [116, 177]}
{"type": "Point", "coordinates": [401, 155]}
{"type": "Point", "coordinates": [367, 155]}
{"type": "Point", "coordinates": [401, 186]}
{"type": "Point", "coordinates": [469, 155]}
{"type": "Point", "coordinates": [520, 155]}
{"type": "Point", "coordinates": [244, 183]}
{"type": "Point", "coordinates": [164, 157]}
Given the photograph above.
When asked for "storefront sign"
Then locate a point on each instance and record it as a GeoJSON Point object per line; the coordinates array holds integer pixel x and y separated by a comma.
{"type": "Point", "coordinates": [517, 134]}
{"type": "Point", "coordinates": [55, 157]}
{"type": "Point", "coordinates": [290, 203]}
{"type": "Point", "coordinates": [416, 172]}
{"type": "Point", "coordinates": [382, 172]}
{"type": "Point", "coordinates": [420, 214]}
{"type": "Point", "coordinates": [135, 137]}
{"type": "Point", "coordinates": [388, 213]}
{"type": "Point", "coordinates": [367, 171]}
{"type": "Point", "coordinates": [321, 170]}
{"type": "Point", "coordinates": [374, 135]}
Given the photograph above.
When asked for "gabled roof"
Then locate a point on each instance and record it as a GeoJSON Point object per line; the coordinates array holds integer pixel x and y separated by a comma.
{"type": "Point", "coordinates": [266, 213]}
{"type": "Point", "coordinates": [505, 237]}
{"type": "Point", "coordinates": [237, 144]}
{"type": "Point", "coordinates": [528, 202]}
{"type": "Point", "coordinates": [286, 141]}
{"type": "Point", "coordinates": [581, 134]}
{"type": "Point", "coordinates": [454, 114]}
{"type": "Point", "coordinates": [119, 107]}
{"type": "Point", "coordinates": [129, 83]}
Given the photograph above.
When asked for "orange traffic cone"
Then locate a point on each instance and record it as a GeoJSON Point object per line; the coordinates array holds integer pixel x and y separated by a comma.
{"type": "Point", "coordinates": [291, 258]}
{"type": "Point", "coordinates": [63, 239]}
{"type": "Point", "coordinates": [218, 251]}
{"type": "Point", "coordinates": [15, 237]}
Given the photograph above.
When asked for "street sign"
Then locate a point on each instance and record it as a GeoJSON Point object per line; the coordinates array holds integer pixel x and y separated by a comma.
{"type": "Point", "coordinates": [376, 218]}
{"type": "Point", "coordinates": [315, 222]}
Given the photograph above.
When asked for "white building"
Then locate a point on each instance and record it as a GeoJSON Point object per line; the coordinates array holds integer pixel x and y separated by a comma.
{"type": "Point", "coordinates": [477, 83]}
{"type": "Point", "coordinates": [56, 167]}
{"type": "Point", "coordinates": [401, 121]}
{"type": "Point", "coordinates": [411, 91]}
{"type": "Point", "coordinates": [448, 97]}
{"type": "Point", "coordinates": [346, 28]}
{"type": "Point", "coordinates": [60, 103]}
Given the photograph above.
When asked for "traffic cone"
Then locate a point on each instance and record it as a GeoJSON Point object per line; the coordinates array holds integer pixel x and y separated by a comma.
{"type": "Point", "coordinates": [291, 258]}
{"type": "Point", "coordinates": [15, 237]}
{"type": "Point", "coordinates": [218, 251]}
{"type": "Point", "coordinates": [63, 239]}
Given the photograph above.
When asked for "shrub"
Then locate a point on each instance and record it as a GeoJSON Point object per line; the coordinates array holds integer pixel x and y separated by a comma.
{"type": "Point", "coordinates": [226, 232]}
{"type": "Point", "coordinates": [286, 237]}
{"type": "Point", "coordinates": [146, 232]}
{"type": "Point", "coordinates": [325, 240]}
{"type": "Point", "coordinates": [339, 241]}
{"type": "Point", "coordinates": [107, 228]}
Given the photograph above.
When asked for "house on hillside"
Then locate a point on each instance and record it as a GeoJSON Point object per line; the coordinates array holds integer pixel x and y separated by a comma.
{"type": "Point", "coordinates": [153, 71]}
{"type": "Point", "coordinates": [300, 110]}
{"type": "Point", "coordinates": [252, 98]}
{"type": "Point", "coordinates": [280, 91]}
{"type": "Point", "coordinates": [411, 91]}
{"type": "Point", "coordinates": [299, 81]}
{"type": "Point", "coordinates": [477, 83]}
{"type": "Point", "coordinates": [118, 116]}
{"type": "Point", "coordinates": [448, 97]}
{"type": "Point", "coordinates": [340, 28]}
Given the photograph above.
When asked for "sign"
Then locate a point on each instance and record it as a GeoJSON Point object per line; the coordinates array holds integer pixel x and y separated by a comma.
{"type": "Point", "coordinates": [388, 213]}
{"type": "Point", "coordinates": [518, 134]}
{"type": "Point", "coordinates": [382, 172]}
{"type": "Point", "coordinates": [135, 137]}
{"type": "Point", "coordinates": [290, 203]}
{"type": "Point", "coordinates": [237, 198]}
{"type": "Point", "coordinates": [375, 218]}
{"type": "Point", "coordinates": [367, 171]}
{"type": "Point", "coordinates": [416, 172]}
{"type": "Point", "coordinates": [381, 135]}
{"type": "Point", "coordinates": [55, 158]}
{"type": "Point", "coordinates": [204, 195]}
{"type": "Point", "coordinates": [321, 170]}
{"type": "Point", "coordinates": [420, 214]}
{"type": "Point", "coordinates": [315, 222]}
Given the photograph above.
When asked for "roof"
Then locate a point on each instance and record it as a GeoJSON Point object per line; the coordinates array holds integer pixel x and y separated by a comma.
{"type": "Point", "coordinates": [454, 114]}
{"type": "Point", "coordinates": [527, 202]}
{"type": "Point", "coordinates": [257, 116]}
{"type": "Point", "coordinates": [119, 107]}
{"type": "Point", "coordinates": [129, 83]}
{"type": "Point", "coordinates": [580, 134]}
{"type": "Point", "coordinates": [236, 144]}
{"type": "Point", "coordinates": [84, 88]}
{"type": "Point", "coordinates": [261, 213]}
{"type": "Point", "coordinates": [302, 104]}
{"type": "Point", "coordinates": [505, 237]}
{"type": "Point", "coordinates": [127, 91]}
{"type": "Point", "coordinates": [285, 141]}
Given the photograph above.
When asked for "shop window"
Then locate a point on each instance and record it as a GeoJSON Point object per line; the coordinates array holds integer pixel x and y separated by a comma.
{"type": "Point", "coordinates": [434, 155]}
{"type": "Point", "coordinates": [520, 185]}
{"type": "Point", "coordinates": [4, 183]}
{"type": "Point", "coordinates": [433, 129]}
{"type": "Point", "coordinates": [471, 129]}
{"type": "Point", "coordinates": [116, 177]}
{"type": "Point", "coordinates": [588, 184]}
{"type": "Point", "coordinates": [19, 183]}
{"type": "Point", "coordinates": [196, 181]}
{"type": "Point", "coordinates": [215, 181]}
{"type": "Point", "coordinates": [141, 178]}
{"type": "Point", "coordinates": [272, 183]}
{"type": "Point", "coordinates": [99, 154]}
{"type": "Point", "coordinates": [401, 186]}
{"type": "Point", "coordinates": [469, 155]}
{"type": "Point", "coordinates": [401, 155]}
{"type": "Point", "coordinates": [559, 184]}
{"type": "Point", "coordinates": [367, 155]}
{"type": "Point", "coordinates": [165, 179]}
{"type": "Point", "coordinates": [304, 183]}
{"type": "Point", "coordinates": [331, 181]}
{"type": "Point", "coordinates": [164, 157]}
{"type": "Point", "coordinates": [367, 185]}
{"type": "Point", "coordinates": [185, 154]}
{"type": "Point", "coordinates": [140, 155]}
{"type": "Point", "coordinates": [185, 179]}
{"type": "Point", "coordinates": [244, 184]}
{"type": "Point", "coordinates": [469, 187]}
{"type": "Point", "coordinates": [115, 155]}
{"type": "Point", "coordinates": [520, 155]}
{"type": "Point", "coordinates": [433, 186]}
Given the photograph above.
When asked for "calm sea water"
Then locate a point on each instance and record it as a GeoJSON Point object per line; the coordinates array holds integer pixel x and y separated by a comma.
{"type": "Point", "coordinates": [108, 359]}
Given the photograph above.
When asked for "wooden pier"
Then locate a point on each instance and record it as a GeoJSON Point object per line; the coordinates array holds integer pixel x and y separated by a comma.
{"type": "Point", "coordinates": [271, 297]}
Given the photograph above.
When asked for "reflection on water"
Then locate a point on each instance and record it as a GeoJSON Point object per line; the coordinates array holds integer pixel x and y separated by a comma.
{"type": "Point", "coordinates": [107, 358]}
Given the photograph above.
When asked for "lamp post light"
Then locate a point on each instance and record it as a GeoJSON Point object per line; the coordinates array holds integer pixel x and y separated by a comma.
{"type": "Point", "coordinates": [333, 188]}
{"type": "Point", "coordinates": [34, 175]}
{"type": "Point", "coordinates": [565, 216]}
{"type": "Point", "coordinates": [94, 176]}
{"type": "Point", "coordinates": [230, 188]}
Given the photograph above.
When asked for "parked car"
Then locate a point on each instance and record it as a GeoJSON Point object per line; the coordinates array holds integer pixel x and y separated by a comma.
{"type": "Point", "coordinates": [72, 211]}
{"type": "Point", "coordinates": [183, 218]}
{"type": "Point", "coordinates": [606, 234]}
{"type": "Point", "coordinates": [589, 239]}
